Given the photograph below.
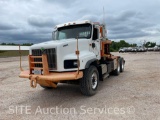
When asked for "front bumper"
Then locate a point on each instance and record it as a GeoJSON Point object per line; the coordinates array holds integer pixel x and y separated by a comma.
{"type": "Point", "coordinates": [48, 78]}
{"type": "Point", "coordinates": [53, 76]}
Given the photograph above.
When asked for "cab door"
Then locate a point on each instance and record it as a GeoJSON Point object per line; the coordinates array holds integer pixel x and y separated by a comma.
{"type": "Point", "coordinates": [95, 43]}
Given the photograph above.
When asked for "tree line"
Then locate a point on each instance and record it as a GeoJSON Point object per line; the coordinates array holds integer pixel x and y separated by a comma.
{"type": "Point", "coordinates": [115, 46]}
{"type": "Point", "coordinates": [13, 44]}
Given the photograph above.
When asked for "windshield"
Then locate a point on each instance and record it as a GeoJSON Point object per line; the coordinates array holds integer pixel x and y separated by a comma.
{"type": "Point", "coordinates": [66, 32]}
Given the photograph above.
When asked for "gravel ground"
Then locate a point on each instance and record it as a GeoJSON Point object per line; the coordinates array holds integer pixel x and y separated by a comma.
{"type": "Point", "coordinates": [133, 95]}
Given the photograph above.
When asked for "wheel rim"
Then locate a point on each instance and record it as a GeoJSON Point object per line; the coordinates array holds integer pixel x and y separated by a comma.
{"type": "Point", "coordinates": [118, 68]}
{"type": "Point", "coordinates": [94, 78]}
{"type": "Point", "coordinates": [122, 65]}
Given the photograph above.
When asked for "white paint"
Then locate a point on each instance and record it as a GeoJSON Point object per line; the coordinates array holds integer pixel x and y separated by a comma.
{"type": "Point", "coordinates": [5, 47]}
{"type": "Point", "coordinates": [68, 52]}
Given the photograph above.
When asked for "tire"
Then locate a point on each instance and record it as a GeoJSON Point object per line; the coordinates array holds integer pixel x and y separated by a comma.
{"type": "Point", "coordinates": [117, 71]}
{"type": "Point", "coordinates": [122, 62]}
{"type": "Point", "coordinates": [89, 82]}
{"type": "Point", "coordinates": [45, 87]}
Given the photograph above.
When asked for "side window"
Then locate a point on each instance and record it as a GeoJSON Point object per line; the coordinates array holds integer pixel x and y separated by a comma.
{"type": "Point", "coordinates": [95, 34]}
{"type": "Point", "coordinates": [85, 34]}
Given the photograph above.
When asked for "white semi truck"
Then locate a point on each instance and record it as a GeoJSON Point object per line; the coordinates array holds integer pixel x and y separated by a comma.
{"type": "Point", "coordinates": [79, 53]}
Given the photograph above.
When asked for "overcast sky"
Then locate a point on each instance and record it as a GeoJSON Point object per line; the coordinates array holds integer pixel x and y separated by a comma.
{"type": "Point", "coordinates": [23, 21]}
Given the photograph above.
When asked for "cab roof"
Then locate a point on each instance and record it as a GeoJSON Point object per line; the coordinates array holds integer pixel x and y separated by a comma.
{"type": "Point", "coordinates": [75, 23]}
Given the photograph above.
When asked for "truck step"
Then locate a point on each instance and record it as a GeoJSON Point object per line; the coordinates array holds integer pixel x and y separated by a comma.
{"type": "Point", "coordinates": [105, 75]}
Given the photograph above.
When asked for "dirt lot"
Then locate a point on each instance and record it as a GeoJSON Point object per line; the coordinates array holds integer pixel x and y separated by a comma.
{"type": "Point", "coordinates": [134, 94]}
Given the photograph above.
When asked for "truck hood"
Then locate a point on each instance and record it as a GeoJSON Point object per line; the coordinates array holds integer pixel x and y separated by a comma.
{"type": "Point", "coordinates": [65, 47]}
{"type": "Point", "coordinates": [65, 50]}
{"type": "Point", "coordinates": [52, 43]}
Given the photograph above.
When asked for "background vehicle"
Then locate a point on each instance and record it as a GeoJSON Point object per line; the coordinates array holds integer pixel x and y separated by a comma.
{"type": "Point", "coordinates": [156, 48]}
{"type": "Point", "coordinates": [140, 49]}
{"type": "Point", "coordinates": [78, 54]}
{"type": "Point", "coordinates": [150, 49]}
{"type": "Point", "coordinates": [129, 49]}
{"type": "Point", "coordinates": [122, 49]}
{"type": "Point", "coordinates": [134, 49]}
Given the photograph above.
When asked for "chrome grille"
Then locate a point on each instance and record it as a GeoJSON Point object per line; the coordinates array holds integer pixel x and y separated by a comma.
{"type": "Point", "coordinates": [51, 57]}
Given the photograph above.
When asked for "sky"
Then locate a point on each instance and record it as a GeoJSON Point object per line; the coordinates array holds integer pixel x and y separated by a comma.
{"type": "Point", "coordinates": [32, 21]}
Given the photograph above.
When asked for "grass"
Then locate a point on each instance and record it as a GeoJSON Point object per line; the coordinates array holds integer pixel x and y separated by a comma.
{"type": "Point", "coordinates": [13, 53]}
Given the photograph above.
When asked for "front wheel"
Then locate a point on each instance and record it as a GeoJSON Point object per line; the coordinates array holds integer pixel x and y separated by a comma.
{"type": "Point", "coordinates": [89, 82]}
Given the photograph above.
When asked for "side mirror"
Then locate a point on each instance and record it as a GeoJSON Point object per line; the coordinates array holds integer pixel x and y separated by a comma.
{"type": "Point", "coordinates": [101, 32]}
{"type": "Point", "coordinates": [54, 34]}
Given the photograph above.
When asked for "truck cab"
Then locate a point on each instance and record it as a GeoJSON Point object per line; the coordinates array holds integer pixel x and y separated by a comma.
{"type": "Point", "coordinates": [79, 52]}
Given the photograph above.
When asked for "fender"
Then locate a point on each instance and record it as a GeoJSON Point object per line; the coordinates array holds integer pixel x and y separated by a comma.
{"type": "Point", "coordinates": [89, 62]}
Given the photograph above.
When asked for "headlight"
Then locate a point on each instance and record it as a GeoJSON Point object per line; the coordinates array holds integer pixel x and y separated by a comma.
{"type": "Point", "coordinates": [75, 63]}
{"type": "Point", "coordinates": [69, 64]}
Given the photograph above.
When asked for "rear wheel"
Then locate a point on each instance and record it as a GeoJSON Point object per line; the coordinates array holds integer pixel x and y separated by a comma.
{"type": "Point", "coordinates": [117, 70]}
{"type": "Point", "coordinates": [89, 82]}
{"type": "Point", "coordinates": [121, 64]}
